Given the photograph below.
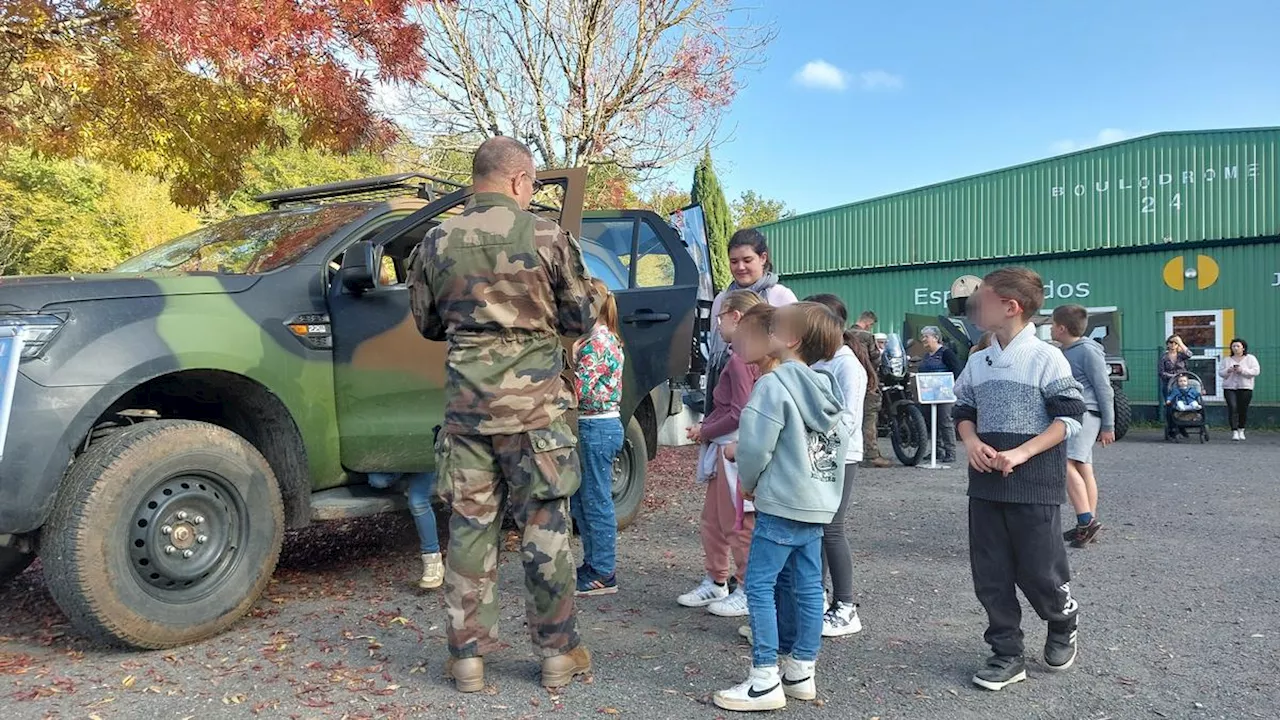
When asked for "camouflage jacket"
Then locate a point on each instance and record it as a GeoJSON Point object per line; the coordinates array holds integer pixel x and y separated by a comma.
{"type": "Point", "coordinates": [501, 285]}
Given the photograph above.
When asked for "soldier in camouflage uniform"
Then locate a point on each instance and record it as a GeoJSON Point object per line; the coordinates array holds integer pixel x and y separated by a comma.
{"type": "Point", "coordinates": [502, 286]}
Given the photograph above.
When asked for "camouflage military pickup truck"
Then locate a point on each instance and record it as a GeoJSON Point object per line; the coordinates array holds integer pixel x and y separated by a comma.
{"type": "Point", "coordinates": [168, 421]}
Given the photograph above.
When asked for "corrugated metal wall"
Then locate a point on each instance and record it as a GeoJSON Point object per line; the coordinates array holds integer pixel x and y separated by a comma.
{"type": "Point", "coordinates": [1165, 188]}
{"type": "Point", "coordinates": [1132, 282]}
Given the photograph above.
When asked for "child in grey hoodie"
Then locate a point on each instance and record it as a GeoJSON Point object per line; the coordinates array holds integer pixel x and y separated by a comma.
{"type": "Point", "coordinates": [793, 436]}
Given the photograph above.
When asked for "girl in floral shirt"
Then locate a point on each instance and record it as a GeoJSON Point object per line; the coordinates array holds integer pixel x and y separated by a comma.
{"type": "Point", "coordinates": [598, 361]}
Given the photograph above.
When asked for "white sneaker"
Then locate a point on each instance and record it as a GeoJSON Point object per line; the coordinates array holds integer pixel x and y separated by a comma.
{"type": "Point", "coordinates": [432, 571]}
{"type": "Point", "coordinates": [761, 691]}
{"type": "Point", "coordinates": [735, 605]}
{"type": "Point", "coordinates": [744, 631]}
{"type": "Point", "coordinates": [797, 678]}
{"type": "Point", "coordinates": [1236, 435]}
{"type": "Point", "coordinates": [840, 620]}
{"type": "Point", "coordinates": [1242, 434]}
{"type": "Point", "coordinates": [703, 595]}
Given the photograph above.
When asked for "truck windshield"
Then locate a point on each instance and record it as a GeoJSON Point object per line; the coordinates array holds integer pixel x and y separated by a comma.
{"type": "Point", "coordinates": [248, 245]}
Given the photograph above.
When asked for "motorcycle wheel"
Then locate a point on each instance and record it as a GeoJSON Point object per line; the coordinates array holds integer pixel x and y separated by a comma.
{"type": "Point", "coordinates": [910, 435]}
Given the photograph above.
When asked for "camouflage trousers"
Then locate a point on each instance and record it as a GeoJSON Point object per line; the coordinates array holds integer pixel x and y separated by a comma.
{"type": "Point", "coordinates": [534, 473]}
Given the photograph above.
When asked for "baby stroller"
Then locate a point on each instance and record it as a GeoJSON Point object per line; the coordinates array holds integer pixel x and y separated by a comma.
{"type": "Point", "coordinates": [1181, 423]}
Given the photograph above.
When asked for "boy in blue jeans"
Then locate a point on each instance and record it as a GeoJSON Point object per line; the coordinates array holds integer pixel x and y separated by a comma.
{"type": "Point", "coordinates": [792, 439]}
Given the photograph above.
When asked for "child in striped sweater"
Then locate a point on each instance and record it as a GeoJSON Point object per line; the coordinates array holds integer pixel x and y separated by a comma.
{"type": "Point", "coordinates": [1016, 405]}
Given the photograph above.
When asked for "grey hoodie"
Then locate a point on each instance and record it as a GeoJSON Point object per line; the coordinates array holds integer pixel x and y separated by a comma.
{"type": "Point", "coordinates": [792, 440]}
{"type": "Point", "coordinates": [1089, 367]}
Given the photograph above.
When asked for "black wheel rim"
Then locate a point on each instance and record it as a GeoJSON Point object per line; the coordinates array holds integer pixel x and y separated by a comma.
{"type": "Point", "coordinates": [623, 465]}
{"type": "Point", "coordinates": [186, 536]}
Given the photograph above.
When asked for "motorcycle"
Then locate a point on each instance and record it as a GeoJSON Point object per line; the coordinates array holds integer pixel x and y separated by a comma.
{"type": "Point", "coordinates": [900, 415]}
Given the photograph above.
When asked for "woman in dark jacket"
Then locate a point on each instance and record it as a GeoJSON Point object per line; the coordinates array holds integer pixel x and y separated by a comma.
{"type": "Point", "coordinates": [940, 358]}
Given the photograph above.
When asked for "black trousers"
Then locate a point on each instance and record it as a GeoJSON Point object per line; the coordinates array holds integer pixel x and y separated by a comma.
{"type": "Point", "coordinates": [1238, 407]}
{"type": "Point", "coordinates": [1012, 546]}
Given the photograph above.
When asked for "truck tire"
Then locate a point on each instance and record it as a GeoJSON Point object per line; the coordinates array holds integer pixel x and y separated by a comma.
{"type": "Point", "coordinates": [12, 562]}
{"type": "Point", "coordinates": [629, 474]}
{"type": "Point", "coordinates": [1124, 413]}
{"type": "Point", "coordinates": [909, 433]}
{"type": "Point", "coordinates": [163, 534]}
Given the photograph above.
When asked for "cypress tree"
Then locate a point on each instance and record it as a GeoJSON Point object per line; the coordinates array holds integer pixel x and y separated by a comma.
{"type": "Point", "coordinates": [708, 193]}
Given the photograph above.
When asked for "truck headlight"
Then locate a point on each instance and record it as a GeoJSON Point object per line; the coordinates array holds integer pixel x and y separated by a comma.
{"type": "Point", "coordinates": [38, 329]}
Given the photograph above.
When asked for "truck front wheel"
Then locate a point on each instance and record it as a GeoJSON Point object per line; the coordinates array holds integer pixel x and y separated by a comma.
{"type": "Point", "coordinates": [163, 534]}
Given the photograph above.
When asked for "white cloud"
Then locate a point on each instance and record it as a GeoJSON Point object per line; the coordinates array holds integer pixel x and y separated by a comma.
{"type": "Point", "coordinates": [1105, 136]}
{"type": "Point", "coordinates": [822, 75]}
{"type": "Point", "coordinates": [879, 80]}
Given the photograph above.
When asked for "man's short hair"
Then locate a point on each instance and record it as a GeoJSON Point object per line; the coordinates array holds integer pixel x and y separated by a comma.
{"type": "Point", "coordinates": [820, 331]}
{"type": "Point", "coordinates": [499, 157]}
{"type": "Point", "coordinates": [1018, 283]}
{"type": "Point", "coordinates": [1073, 318]}
{"type": "Point", "coordinates": [868, 316]}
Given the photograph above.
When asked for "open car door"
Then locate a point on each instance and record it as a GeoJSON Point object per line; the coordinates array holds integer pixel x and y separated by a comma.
{"type": "Point", "coordinates": [389, 380]}
{"type": "Point", "coordinates": [655, 282]}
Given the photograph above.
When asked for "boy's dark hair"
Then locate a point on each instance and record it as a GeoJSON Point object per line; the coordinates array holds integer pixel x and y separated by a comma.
{"type": "Point", "coordinates": [833, 303]}
{"type": "Point", "coordinates": [820, 331]}
{"type": "Point", "coordinates": [1074, 318]}
{"type": "Point", "coordinates": [868, 315]}
{"type": "Point", "coordinates": [1018, 283]}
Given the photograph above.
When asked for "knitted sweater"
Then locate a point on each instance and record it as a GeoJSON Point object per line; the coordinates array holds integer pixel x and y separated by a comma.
{"type": "Point", "coordinates": [1013, 394]}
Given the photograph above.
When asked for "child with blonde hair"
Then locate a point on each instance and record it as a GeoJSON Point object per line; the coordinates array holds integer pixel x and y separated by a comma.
{"type": "Point", "coordinates": [727, 520]}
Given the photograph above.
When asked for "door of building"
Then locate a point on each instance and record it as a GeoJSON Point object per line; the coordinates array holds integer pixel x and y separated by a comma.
{"type": "Point", "coordinates": [1203, 332]}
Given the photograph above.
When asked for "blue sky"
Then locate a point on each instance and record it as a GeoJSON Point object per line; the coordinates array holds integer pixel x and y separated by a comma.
{"type": "Point", "coordinates": [929, 91]}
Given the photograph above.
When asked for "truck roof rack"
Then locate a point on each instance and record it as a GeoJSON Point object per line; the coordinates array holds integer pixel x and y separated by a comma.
{"type": "Point", "coordinates": [427, 187]}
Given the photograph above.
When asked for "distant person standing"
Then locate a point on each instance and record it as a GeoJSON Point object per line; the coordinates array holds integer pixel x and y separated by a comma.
{"type": "Point", "coordinates": [501, 286]}
{"type": "Point", "coordinates": [940, 358]}
{"type": "Point", "coordinates": [1173, 363]}
{"type": "Point", "coordinates": [871, 456]}
{"type": "Point", "coordinates": [1238, 372]}
{"type": "Point", "coordinates": [1089, 368]}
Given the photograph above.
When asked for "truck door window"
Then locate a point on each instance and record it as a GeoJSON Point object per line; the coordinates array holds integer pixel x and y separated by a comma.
{"type": "Point", "coordinates": [606, 250]}
{"type": "Point", "coordinates": [654, 265]}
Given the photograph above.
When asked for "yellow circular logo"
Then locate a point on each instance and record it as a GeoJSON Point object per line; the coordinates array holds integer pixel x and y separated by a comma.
{"type": "Point", "coordinates": [1204, 274]}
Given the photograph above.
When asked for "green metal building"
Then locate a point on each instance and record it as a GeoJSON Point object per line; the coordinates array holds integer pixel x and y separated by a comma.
{"type": "Point", "coordinates": [1177, 232]}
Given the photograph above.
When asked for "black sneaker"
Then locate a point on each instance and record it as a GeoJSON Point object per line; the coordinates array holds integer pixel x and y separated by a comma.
{"type": "Point", "coordinates": [1060, 650]}
{"type": "Point", "coordinates": [1087, 534]}
{"type": "Point", "coordinates": [1000, 672]}
{"type": "Point", "coordinates": [1072, 534]}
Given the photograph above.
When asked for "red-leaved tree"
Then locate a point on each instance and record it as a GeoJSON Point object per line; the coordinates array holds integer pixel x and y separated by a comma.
{"type": "Point", "coordinates": [185, 89]}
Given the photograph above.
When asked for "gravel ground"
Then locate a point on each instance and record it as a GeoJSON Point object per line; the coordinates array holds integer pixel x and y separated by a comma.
{"type": "Point", "coordinates": [1180, 617]}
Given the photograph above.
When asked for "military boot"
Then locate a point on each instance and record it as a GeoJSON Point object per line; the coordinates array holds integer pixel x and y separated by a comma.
{"type": "Point", "coordinates": [560, 670]}
{"type": "Point", "coordinates": [467, 673]}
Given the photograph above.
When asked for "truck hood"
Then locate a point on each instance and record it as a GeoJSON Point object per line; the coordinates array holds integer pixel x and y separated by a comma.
{"type": "Point", "coordinates": [35, 292]}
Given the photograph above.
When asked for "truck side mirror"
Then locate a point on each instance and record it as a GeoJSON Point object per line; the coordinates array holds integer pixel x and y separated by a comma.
{"type": "Point", "coordinates": [359, 263]}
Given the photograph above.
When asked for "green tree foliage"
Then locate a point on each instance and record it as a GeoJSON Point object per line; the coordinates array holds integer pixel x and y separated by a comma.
{"type": "Point", "coordinates": [708, 193]}
{"type": "Point", "coordinates": [67, 216]}
{"type": "Point", "coordinates": [752, 210]}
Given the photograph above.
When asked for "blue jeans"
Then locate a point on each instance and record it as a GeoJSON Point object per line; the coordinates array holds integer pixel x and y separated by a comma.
{"type": "Point", "coordinates": [784, 590]}
{"type": "Point", "coordinates": [599, 442]}
{"type": "Point", "coordinates": [422, 486]}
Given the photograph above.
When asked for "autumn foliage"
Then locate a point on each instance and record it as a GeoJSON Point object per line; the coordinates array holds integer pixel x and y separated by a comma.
{"type": "Point", "coordinates": [185, 89]}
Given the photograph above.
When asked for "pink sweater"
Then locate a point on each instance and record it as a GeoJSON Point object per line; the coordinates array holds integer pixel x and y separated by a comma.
{"type": "Point", "coordinates": [730, 396]}
{"type": "Point", "coordinates": [1242, 380]}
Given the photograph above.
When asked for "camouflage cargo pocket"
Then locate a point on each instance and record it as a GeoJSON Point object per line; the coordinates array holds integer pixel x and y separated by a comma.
{"type": "Point", "coordinates": [444, 479]}
{"type": "Point", "coordinates": [556, 469]}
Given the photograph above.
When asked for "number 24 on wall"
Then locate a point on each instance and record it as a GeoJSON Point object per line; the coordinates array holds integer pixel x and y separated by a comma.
{"type": "Point", "coordinates": [1149, 203]}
